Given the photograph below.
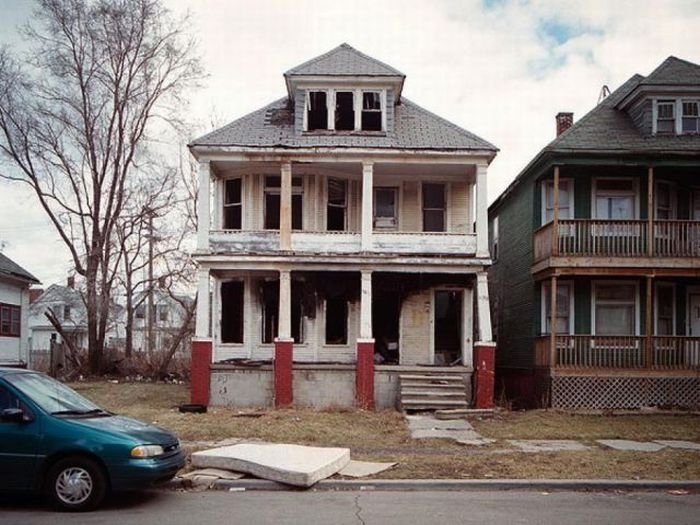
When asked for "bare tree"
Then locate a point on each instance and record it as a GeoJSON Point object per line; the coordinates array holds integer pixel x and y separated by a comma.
{"type": "Point", "coordinates": [76, 117]}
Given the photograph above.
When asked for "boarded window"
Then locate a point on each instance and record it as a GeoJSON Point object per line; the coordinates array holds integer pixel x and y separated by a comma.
{"type": "Point", "coordinates": [272, 203]}
{"type": "Point", "coordinates": [344, 111]}
{"type": "Point", "coordinates": [336, 321]}
{"type": "Point", "coordinates": [232, 205]}
{"type": "Point", "coordinates": [317, 110]}
{"type": "Point", "coordinates": [433, 207]}
{"type": "Point", "coordinates": [336, 219]}
{"type": "Point", "coordinates": [371, 111]}
{"type": "Point", "coordinates": [232, 312]}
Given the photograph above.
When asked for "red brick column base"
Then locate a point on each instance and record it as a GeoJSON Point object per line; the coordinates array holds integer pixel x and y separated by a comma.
{"type": "Point", "coordinates": [284, 351]}
{"type": "Point", "coordinates": [364, 378]}
{"type": "Point", "coordinates": [200, 372]}
{"type": "Point", "coordinates": [484, 374]}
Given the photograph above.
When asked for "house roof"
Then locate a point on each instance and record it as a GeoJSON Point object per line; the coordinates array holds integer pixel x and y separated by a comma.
{"type": "Point", "coordinates": [609, 130]}
{"type": "Point", "coordinates": [344, 60]}
{"type": "Point", "coordinates": [10, 269]}
{"type": "Point", "coordinates": [414, 128]}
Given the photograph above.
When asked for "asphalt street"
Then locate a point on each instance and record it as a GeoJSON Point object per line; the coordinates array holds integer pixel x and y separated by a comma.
{"type": "Point", "coordinates": [372, 507]}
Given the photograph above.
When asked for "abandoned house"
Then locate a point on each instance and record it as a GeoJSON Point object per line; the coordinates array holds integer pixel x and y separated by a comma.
{"type": "Point", "coordinates": [596, 244]}
{"type": "Point", "coordinates": [340, 227]}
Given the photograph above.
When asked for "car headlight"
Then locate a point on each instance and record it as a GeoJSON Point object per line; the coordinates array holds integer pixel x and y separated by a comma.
{"type": "Point", "coordinates": [146, 451]}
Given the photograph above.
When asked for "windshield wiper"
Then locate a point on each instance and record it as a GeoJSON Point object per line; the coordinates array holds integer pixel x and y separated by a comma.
{"type": "Point", "coordinates": [74, 412]}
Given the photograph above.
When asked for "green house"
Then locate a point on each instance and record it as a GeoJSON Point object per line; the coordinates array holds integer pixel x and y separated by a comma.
{"type": "Point", "coordinates": [595, 285]}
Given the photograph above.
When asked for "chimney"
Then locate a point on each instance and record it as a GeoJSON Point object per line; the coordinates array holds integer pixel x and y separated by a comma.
{"type": "Point", "coordinates": [564, 122]}
{"type": "Point", "coordinates": [71, 281]}
{"type": "Point", "coordinates": [34, 294]}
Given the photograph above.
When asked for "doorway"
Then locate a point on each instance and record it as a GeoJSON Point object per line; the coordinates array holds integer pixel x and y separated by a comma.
{"type": "Point", "coordinates": [447, 327]}
{"type": "Point", "coordinates": [386, 311]}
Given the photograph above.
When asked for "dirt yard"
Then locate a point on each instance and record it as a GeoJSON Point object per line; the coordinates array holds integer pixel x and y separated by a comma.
{"type": "Point", "coordinates": [384, 436]}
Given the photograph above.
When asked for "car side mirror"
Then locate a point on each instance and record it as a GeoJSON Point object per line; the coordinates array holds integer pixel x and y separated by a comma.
{"type": "Point", "coordinates": [12, 415]}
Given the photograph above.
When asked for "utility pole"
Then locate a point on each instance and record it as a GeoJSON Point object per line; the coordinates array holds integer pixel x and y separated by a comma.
{"type": "Point", "coordinates": [151, 312]}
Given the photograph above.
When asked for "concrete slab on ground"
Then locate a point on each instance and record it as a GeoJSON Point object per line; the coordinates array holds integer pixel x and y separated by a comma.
{"type": "Point", "coordinates": [674, 443]}
{"type": "Point", "coordinates": [360, 469]}
{"type": "Point", "coordinates": [632, 446]}
{"type": "Point", "coordinates": [460, 430]}
{"type": "Point", "coordinates": [432, 423]}
{"type": "Point", "coordinates": [548, 445]}
{"type": "Point", "coordinates": [292, 464]}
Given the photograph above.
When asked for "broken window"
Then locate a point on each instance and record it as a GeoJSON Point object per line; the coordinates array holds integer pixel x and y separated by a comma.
{"type": "Point", "coordinates": [272, 202]}
{"type": "Point", "coordinates": [232, 312]}
{"type": "Point", "coordinates": [344, 111]}
{"type": "Point", "coordinates": [371, 111]}
{"type": "Point", "coordinates": [433, 207]}
{"type": "Point", "coordinates": [232, 204]}
{"type": "Point", "coordinates": [337, 205]}
{"type": "Point", "coordinates": [385, 208]}
{"type": "Point", "coordinates": [336, 320]}
{"type": "Point", "coordinates": [316, 110]}
{"type": "Point", "coordinates": [270, 307]}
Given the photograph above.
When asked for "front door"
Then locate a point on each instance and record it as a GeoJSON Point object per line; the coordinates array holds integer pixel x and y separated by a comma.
{"type": "Point", "coordinates": [447, 334]}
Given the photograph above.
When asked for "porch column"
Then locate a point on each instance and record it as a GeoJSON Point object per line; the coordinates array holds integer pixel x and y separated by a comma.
{"type": "Point", "coordinates": [367, 186]}
{"type": "Point", "coordinates": [484, 348]}
{"type": "Point", "coordinates": [203, 322]}
{"type": "Point", "coordinates": [555, 212]}
{"type": "Point", "coordinates": [650, 211]}
{"type": "Point", "coordinates": [203, 206]}
{"type": "Point", "coordinates": [553, 322]}
{"type": "Point", "coordinates": [648, 323]}
{"type": "Point", "coordinates": [283, 376]}
{"type": "Point", "coordinates": [364, 372]}
{"type": "Point", "coordinates": [200, 369]}
{"type": "Point", "coordinates": [482, 220]}
{"type": "Point", "coordinates": [482, 307]}
{"type": "Point", "coordinates": [286, 206]}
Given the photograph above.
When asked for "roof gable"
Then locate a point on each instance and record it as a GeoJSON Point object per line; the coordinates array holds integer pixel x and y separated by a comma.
{"type": "Point", "coordinates": [10, 269]}
{"type": "Point", "coordinates": [344, 60]}
{"type": "Point", "coordinates": [674, 71]}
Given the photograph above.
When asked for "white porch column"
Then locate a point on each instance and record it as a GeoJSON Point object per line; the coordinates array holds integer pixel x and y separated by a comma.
{"type": "Point", "coordinates": [482, 307]}
{"type": "Point", "coordinates": [286, 206]}
{"type": "Point", "coordinates": [482, 220]}
{"type": "Point", "coordinates": [203, 324]}
{"type": "Point", "coordinates": [284, 329]}
{"type": "Point", "coordinates": [367, 186]}
{"type": "Point", "coordinates": [203, 206]}
{"type": "Point", "coordinates": [366, 306]}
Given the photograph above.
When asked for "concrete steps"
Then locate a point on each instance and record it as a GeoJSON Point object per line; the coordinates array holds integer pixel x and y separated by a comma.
{"type": "Point", "coordinates": [432, 391]}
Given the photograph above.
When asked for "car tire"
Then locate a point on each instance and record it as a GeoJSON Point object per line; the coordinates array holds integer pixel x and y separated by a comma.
{"type": "Point", "coordinates": [76, 484]}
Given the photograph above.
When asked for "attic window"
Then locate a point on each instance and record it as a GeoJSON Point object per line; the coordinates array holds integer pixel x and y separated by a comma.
{"type": "Point", "coordinates": [371, 111]}
{"type": "Point", "coordinates": [344, 111]}
{"type": "Point", "coordinates": [665, 116]}
{"type": "Point", "coordinates": [316, 110]}
{"type": "Point", "coordinates": [691, 116]}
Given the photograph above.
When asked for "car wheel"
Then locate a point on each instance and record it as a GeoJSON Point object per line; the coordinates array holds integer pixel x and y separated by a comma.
{"type": "Point", "coordinates": [76, 484]}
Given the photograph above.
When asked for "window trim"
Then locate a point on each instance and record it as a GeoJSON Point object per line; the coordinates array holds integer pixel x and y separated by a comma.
{"type": "Point", "coordinates": [683, 116]}
{"type": "Point", "coordinates": [637, 306]}
{"type": "Point", "coordinates": [10, 309]}
{"type": "Point", "coordinates": [225, 205]}
{"type": "Point", "coordinates": [444, 209]}
{"type": "Point", "coordinates": [614, 193]}
{"type": "Point", "coordinates": [544, 291]}
{"type": "Point", "coordinates": [678, 115]}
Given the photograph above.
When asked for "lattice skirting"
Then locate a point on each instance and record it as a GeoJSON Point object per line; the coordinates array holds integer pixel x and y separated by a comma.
{"type": "Point", "coordinates": [624, 392]}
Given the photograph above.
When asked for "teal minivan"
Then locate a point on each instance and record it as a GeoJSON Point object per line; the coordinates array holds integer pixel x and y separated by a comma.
{"type": "Point", "coordinates": [56, 442]}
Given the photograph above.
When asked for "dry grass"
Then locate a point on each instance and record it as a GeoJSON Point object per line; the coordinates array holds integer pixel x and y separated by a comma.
{"type": "Point", "coordinates": [384, 436]}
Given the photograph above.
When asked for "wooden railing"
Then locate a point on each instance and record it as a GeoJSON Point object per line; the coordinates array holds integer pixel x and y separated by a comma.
{"type": "Point", "coordinates": [618, 238]}
{"type": "Point", "coordinates": [619, 352]}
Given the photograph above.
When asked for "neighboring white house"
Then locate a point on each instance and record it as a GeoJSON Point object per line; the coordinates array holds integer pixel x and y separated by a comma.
{"type": "Point", "coordinates": [169, 315]}
{"type": "Point", "coordinates": [14, 301]}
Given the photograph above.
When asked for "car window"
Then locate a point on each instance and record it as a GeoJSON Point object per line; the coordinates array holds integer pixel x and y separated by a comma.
{"type": "Point", "coordinates": [7, 399]}
{"type": "Point", "coordinates": [51, 395]}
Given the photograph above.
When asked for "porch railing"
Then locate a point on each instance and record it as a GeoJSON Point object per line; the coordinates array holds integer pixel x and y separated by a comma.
{"type": "Point", "coordinates": [619, 352]}
{"type": "Point", "coordinates": [618, 238]}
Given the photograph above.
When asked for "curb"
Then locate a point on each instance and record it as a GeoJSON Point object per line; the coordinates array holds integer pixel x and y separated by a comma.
{"type": "Point", "coordinates": [443, 485]}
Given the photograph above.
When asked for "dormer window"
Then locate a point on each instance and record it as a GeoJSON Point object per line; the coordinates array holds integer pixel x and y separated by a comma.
{"type": "Point", "coordinates": [665, 116]}
{"type": "Point", "coordinates": [344, 111]}
{"type": "Point", "coordinates": [317, 110]}
{"type": "Point", "coordinates": [371, 111]}
{"type": "Point", "coordinates": [691, 116]}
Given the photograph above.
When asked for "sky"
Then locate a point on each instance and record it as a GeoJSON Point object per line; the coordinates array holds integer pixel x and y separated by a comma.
{"type": "Point", "coordinates": [500, 68]}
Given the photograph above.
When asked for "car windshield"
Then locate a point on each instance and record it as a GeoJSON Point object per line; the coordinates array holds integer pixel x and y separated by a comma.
{"type": "Point", "coordinates": [51, 395]}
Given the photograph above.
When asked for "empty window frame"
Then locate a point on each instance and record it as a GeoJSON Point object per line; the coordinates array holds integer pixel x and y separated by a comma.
{"type": "Point", "coordinates": [385, 208]}
{"type": "Point", "coordinates": [566, 200]}
{"type": "Point", "coordinates": [564, 317]}
{"type": "Point", "coordinates": [232, 204]}
{"type": "Point", "coordinates": [270, 310]}
{"type": "Point", "coordinates": [336, 320]}
{"type": "Point", "coordinates": [665, 116]}
{"type": "Point", "coordinates": [690, 119]}
{"type": "Point", "coordinates": [232, 312]}
{"type": "Point", "coordinates": [316, 110]}
{"type": "Point", "coordinates": [344, 110]}
{"type": "Point", "coordinates": [615, 308]}
{"type": "Point", "coordinates": [434, 207]}
{"type": "Point", "coordinates": [272, 202]}
{"type": "Point", "coordinates": [371, 111]}
{"type": "Point", "coordinates": [10, 316]}
{"type": "Point", "coordinates": [337, 206]}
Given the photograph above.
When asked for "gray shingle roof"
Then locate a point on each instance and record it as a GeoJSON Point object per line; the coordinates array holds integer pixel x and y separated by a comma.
{"type": "Point", "coordinates": [344, 60]}
{"type": "Point", "coordinates": [414, 128]}
{"type": "Point", "coordinates": [9, 268]}
{"type": "Point", "coordinates": [674, 71]}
